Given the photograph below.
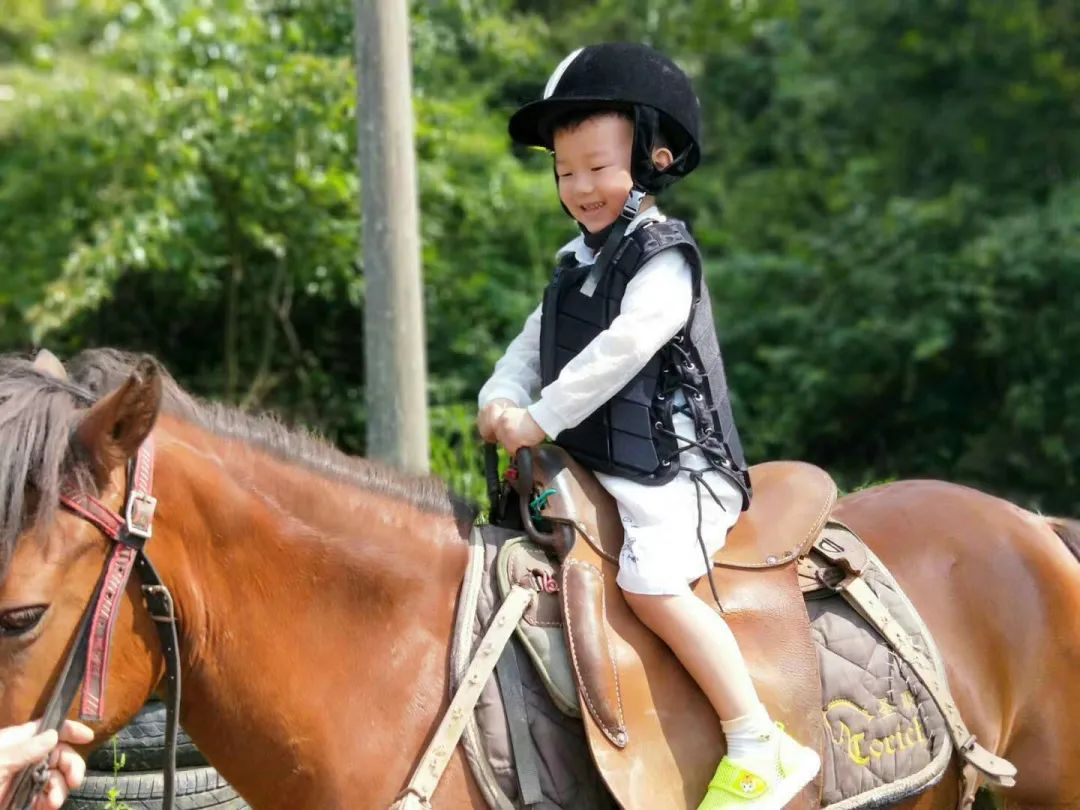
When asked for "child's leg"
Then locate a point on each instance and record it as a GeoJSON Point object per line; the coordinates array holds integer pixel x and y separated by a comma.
{"type": "Point", "coordinates": [703, 642]}
{"type": "Point", "coordinates": [706, 647]}
{"type": "Point", "coordinates": [764, 768]}
{"type": "Point", "coordinates": [661, 554]}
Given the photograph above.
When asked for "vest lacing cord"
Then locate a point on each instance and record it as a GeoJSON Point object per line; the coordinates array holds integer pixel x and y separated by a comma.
{"type": "Point", "coordinates": [688, 409]}
{"type": "Point", "coordinates": [697, 476]}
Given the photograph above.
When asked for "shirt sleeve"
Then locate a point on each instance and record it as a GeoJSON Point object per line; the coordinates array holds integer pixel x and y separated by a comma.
{"type": "Point", "coordinates": [517, 374]}
{"type": "Point", "coordinates": [655, 306]}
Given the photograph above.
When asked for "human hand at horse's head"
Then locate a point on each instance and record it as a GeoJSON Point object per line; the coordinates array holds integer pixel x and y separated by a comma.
{"type": "Point", "coordinates": [515, 428]}
{"type": "Point", "coordinates": [66, 767]}
{"type": "Point", "coordinates": [22, 747]}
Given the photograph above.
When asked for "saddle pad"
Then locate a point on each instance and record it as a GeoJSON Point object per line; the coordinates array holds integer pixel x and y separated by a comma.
{"type": "Point", "coordinates": [568, 779]}
{"type": "Point", "coordinates": [886, 738]}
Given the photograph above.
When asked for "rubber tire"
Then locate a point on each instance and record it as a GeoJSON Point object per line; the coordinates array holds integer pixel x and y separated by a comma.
{"type": "Point", "coordinates": [196, 789]}
{"type": "Point", "coordinates": [142, 742]}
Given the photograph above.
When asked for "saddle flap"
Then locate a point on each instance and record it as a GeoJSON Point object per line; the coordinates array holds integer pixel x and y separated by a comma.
{"type": "Point", "coordinates": [590, 649]}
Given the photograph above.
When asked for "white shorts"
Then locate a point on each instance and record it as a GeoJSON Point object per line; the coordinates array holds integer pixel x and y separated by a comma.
{"type": "Point", "coordinates": [661, 554]}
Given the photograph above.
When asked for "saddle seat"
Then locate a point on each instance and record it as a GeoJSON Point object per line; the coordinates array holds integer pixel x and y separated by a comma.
{"type": "Point", "coordinates": [653, 735]}
{"type": "Point", "coordinates": [791, 502]}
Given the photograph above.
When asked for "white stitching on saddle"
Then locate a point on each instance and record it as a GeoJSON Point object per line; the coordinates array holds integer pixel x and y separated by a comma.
{"type": "Point", "coordinates": [611, 657]}
{"type": "Point", "coordinates": [573, 655]}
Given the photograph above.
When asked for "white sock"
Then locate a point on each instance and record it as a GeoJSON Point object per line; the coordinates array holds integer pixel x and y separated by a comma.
{"type": "Point", "coordinates": [751, 742]}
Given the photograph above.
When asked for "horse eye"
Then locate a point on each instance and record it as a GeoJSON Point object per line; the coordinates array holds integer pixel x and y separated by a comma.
{"type": "Point", "coordinates": [21, 620]}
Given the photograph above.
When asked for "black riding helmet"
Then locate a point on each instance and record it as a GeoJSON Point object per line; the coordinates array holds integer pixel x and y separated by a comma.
{"type": "Point", "coordinates": [614, 76]}
{"type": "Point", "coordinates": [622, 75]}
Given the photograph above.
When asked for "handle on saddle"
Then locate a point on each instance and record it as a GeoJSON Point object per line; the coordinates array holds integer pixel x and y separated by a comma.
{"type": "Point", "coordinates": [521, 479]}
{"type": "Point", "coordinates": [523, 485]}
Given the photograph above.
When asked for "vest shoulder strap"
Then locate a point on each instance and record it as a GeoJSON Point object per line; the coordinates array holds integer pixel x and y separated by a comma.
{"type": "Point", "coordinates": [651, 238]}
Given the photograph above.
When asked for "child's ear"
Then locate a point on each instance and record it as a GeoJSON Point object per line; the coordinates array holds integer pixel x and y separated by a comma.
{"type": "Point", "coordinates": [662, 157]}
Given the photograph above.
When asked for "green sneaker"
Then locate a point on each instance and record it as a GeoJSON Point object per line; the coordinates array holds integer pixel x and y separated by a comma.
{"type": "Point", "coordinates": [733, 787]}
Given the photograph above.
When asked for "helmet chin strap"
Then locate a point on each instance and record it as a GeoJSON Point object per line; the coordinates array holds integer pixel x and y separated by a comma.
{"type": "Point", "coordinates": [611, 244]}
{"type": "Point", "coordinates": [595, 241]}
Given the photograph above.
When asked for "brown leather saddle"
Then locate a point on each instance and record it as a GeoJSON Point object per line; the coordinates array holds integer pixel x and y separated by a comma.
{"type": "Point", "coordinates": [655, 738]}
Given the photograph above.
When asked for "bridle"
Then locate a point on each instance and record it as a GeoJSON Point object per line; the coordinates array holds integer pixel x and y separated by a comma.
{"type": "Point", "coordinates": [87, 664]}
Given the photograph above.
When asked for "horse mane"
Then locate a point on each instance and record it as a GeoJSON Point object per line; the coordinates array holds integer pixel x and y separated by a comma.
{"type": "Point", "coordinates": [39, 412]}
{"type": "Point", "coordinates": [1069, 531]}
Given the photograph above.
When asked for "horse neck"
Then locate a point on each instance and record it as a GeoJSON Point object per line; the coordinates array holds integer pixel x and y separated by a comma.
{"type": "Point", "coordinates": [309, 607]}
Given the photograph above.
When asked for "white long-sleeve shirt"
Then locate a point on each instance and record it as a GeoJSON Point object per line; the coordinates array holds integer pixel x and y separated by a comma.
{"type": "Point", "coordinates": [660, 553]}
{"type": "Point", "coordinates": [654, 308]}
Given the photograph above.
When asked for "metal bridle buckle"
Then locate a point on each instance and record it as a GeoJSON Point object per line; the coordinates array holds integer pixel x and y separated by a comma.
{"type": "Point", "coordinates": [139, 515]}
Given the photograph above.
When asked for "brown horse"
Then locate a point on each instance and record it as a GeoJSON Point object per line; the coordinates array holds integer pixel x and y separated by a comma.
{"type": "Point", "coordinates": [316, 594]}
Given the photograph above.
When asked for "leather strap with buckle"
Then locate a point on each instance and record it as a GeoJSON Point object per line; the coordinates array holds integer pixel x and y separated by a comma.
{"type": "Point", "coordinates": [87, 663]}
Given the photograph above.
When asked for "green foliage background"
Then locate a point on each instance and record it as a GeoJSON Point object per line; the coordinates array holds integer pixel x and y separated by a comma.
{"type": "Point", "coordinates": [889, 204]}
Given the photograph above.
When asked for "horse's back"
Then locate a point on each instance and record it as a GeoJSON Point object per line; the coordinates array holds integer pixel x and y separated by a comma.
{"type": "Point", "coordinates": [1001, 594]}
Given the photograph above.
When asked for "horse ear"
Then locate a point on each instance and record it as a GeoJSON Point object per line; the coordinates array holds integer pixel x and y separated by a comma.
{"type": "Point", "coordinates": [117, 424]}
{"type": "Point", "coordinates": [49, 364]}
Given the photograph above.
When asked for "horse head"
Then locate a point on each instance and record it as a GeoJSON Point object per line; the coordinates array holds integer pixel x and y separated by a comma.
{"type": "Point", "coordinates": [291, 584]}
{"type": "Point", "coordinates": [57, 440]}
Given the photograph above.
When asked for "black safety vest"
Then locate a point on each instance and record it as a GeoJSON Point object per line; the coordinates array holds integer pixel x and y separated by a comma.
{"type": "Point", "coordinates": [631, 434]}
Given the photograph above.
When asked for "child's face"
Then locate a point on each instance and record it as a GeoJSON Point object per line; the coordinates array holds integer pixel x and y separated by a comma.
{"type": "Point", "coordinates": [592, 161]}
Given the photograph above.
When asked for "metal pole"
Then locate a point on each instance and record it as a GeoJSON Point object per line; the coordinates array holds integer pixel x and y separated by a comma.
{"type": "Point", "coordinates": [396, 368]}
